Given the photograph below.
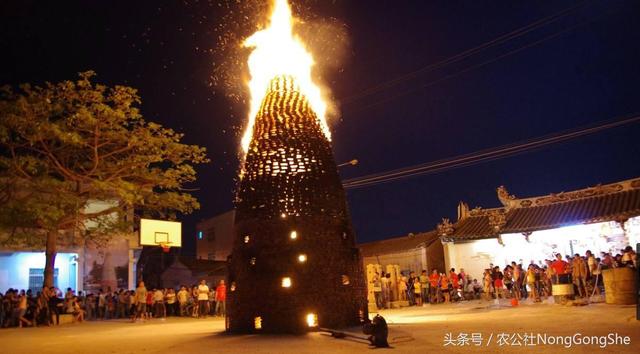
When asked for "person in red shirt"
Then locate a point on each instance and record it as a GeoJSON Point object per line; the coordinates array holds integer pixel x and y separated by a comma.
{"type": "Point", "coordinates": [434, 278]}
{"type": "Point", "coordinates": [455, 283]}
{"type": "Point", "coordinates": [560, 269]}
{"type": "Point", "coordinates": [221, 299]}
{"type": "Point", "coordinates": [444, 287]}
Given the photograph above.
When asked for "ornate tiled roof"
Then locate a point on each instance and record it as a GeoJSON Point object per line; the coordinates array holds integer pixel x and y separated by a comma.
{"type": "Point", "coordinates": [616, 201]}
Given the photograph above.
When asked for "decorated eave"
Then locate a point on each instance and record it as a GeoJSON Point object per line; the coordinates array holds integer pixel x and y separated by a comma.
{"type": "Point", "coordinates": [612, 202]}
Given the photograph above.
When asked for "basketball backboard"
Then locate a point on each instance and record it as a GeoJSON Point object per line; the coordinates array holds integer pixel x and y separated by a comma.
{"type": "Point", "coordinates": [160, 233]}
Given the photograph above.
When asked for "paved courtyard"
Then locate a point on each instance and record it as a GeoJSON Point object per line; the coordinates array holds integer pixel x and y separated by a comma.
{"type": "Point", "coordinates": [470, 327]}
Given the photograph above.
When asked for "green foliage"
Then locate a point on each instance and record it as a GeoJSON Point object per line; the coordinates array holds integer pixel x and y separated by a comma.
{"type": "Point", "coordinates": [66, 145]}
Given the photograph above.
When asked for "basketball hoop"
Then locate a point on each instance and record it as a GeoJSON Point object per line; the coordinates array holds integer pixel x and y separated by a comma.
{"type": "Point", "coordinates": [166, 247]}
{"type": "Point", "coordinates": [160, 233]}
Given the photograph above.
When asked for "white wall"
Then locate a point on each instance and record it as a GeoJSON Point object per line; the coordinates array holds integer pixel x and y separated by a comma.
{"type": "Point", "coordinates": [14, 269]}
{"type": "Point", "coordinates": [475, 256]}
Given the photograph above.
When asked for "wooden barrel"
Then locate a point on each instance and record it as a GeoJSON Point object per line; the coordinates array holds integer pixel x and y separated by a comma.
{"type": "Point", "coordinates": [562, 289]}
{"type": "Point", "coordinates": [620, 286]}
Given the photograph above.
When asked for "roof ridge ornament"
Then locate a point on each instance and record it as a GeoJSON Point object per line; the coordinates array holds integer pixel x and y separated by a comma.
{"type": "Point", "coordinates": [445, 228]}
{"type": "Point", "coordinates": [594, 191]}
{"type": "Point", "coordinates": [507, 200]}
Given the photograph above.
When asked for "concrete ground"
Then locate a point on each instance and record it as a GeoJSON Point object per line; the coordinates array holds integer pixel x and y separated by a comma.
{"type": "Point", "coordinates": [477, 327]}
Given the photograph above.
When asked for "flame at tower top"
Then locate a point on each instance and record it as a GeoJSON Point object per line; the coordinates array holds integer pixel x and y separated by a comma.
{"type": "Point", "coordinates": [277, 52]}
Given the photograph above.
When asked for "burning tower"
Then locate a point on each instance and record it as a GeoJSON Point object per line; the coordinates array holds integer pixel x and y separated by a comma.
{"type": "Point", "coordinates": [294, 263]}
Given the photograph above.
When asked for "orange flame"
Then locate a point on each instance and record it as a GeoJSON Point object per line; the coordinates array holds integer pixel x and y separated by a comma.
{"type": "Point", "coordinates": [276, 51]}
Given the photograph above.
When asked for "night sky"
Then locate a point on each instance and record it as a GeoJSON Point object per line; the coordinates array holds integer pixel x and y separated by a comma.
{"type": "Point", "coordinates": [585, 69]}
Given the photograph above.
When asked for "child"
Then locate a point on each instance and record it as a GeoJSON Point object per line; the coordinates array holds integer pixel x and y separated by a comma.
{"type": "Point", "coordinates": [417, 291]}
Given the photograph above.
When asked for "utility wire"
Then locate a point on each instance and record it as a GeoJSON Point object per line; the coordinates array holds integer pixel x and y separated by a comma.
{"type": "Point", "coordinates": [483, 155]}
{"type": "Point", "coordinates": [465, 54]}
{"type": "Point", "coordinates": [473, 67]}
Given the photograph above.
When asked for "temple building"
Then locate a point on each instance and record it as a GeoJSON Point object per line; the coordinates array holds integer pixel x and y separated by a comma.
{"type": "Point", "coordinates": [412, 252]}
{"type": "Point", "coordinates": [604, 218]}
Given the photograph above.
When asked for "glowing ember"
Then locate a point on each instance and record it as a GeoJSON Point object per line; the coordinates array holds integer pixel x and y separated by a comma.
{"type": "Point", "coordinates": [312, 320]}
{"type": "Point", "coordinates": [277, 52]}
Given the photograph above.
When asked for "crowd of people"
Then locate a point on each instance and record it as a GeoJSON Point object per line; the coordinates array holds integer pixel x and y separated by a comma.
{"type": "Point", "coordinates": [19, 308]}
{"type": "Point", "coordinates": [513, 281]}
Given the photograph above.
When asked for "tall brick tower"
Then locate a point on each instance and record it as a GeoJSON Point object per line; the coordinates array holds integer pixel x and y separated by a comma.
{"type": "Point", "coordinates": [294, 264]}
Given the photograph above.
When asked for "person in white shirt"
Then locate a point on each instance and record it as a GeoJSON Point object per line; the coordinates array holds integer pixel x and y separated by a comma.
{"type": "Point", "coordinates": [158, 300]}
{"type": "Point", "coordinates": [183, 295]}
{"type": "Point", "coordinates": [203, 299]}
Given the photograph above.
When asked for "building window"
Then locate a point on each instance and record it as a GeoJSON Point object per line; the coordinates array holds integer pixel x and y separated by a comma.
{"type": "Point", "coordinates": [200, 235]}
{"type": "Point", "coordinates": [211, 235]}
{"type": "Point", "coordinates": [36, 279]}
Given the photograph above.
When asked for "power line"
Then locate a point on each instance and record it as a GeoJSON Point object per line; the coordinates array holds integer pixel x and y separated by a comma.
{"type": "Point", "coordinates": [473, 67]}
{"type": "Point", "coordinates": [483, 155]}
{"type": "Point", "coordinates": [465, 54]}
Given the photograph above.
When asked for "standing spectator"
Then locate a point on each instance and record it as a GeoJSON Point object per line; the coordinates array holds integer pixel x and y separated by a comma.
{"type": "Point", "coordinates": [133, 301]}
{"type": "Point", "coordinates": [78, 312]}
{"type": "Point", "coordinates": [462, 277]}
{"type": "Point", "coordinates": [591, 268]}
{"type": "Point", "coordinates": [55, 305]}
{"type": "Point", "coordinates": [43, 307]}
{"type": "Point", "coordinates": [498, 282]}
{"type": "Point", "coordinates": [508, 280]}
{"type": "Point", "coordinates": [102, 304]}
{"type": "Point", "coordinates": [531, 281]}
{"type": "Point", "coordinates": [212, 301]}
{"type": "Point", "coordinates": [203, 298]}
{"type": "Point", "coordinates": [424, 286]}
{"type": "Point", "coordinates": [486, 284]}
{"type": "Point", "coordinates": [122, 304]}
{"type": "Point", "coordinates": [22, 310]}
{"type": "Point", "coordinates": [141, 300]}
{"type": "Point", "coordinates": [517, 280]}
{"type": "Point", "coordinates": [560, 270]}
{"type": "Point", "coordinates": [410, 288]}
{"type": "Point", "coordinates": [221, 299]}
{"type": "Point", "coordinates": [417, 290]}
{"type": "Point", "coordinates": [454, 284]}
{"type": "Point", "coordinates": [158, 300]}
{"type": "Point", "coordinates": [171, 302]}
{"type": "Point", "coordinates": [194, 301]}
{"type": "Point", "coordinates": [110, 309]}
{"type": "Point", "coordinates": [444, 287]}
{"type": "Point", "coordinates": [90, 307]}
{"type": "Point", "coordinates": [183, 294]}
{"type": "Point", "coordinates": [377, 289]}
{"type": "Point", "coordinates": [385, 281]}
{"type": "Point", "coordinates": [434, 284]}
{"type": "Point", "coordinates": [402, 288]}
{"type": "Point", "coordinates": [149, 302]}
{"type": "Point", "coordinates": [579, 274]}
